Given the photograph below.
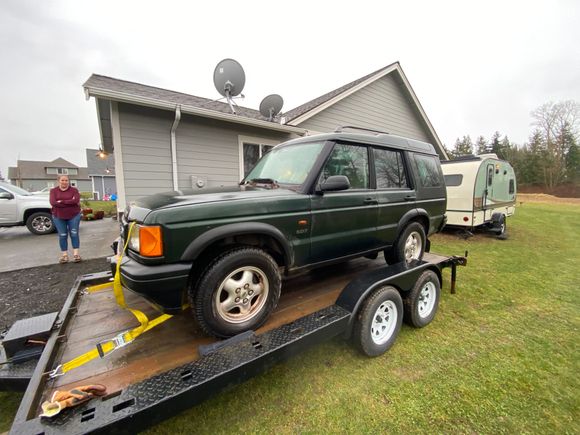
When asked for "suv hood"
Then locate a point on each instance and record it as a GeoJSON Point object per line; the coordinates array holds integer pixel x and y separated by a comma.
{"type": "Point", "coordinates": [214, 194]}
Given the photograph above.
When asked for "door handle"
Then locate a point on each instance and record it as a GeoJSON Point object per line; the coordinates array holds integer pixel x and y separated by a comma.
{"type": "Point", "coordinates": [370, 201]}
{"type": "Point", "coordinates": [410, 198]}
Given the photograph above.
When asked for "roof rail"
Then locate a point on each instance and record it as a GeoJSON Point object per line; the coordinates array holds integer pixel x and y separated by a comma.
{"type": "Point", "coordinates": [340, 128]}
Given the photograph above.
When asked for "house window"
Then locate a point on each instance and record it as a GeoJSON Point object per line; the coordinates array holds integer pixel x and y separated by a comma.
{"type": "Point", "coordinates": [252, 150]}
{"type": "Point", "coordinates": [62, 171]}
{"type": "Point", "coordinates": [73, 171]}
{"type": "Point", "coordinates": [73, 183]}
{"type": "Point", "coordinates": [51, 171]}
{"type": "Point", "coordinates": [389, 169]}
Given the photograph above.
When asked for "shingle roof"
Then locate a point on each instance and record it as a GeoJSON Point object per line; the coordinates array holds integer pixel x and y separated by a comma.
{"type": "Point", "coordinates": [98, 166]}
{"type": "Point", "coordinates": [139, 90]}
{"type": "Point", "coordinates": [36, 170]}
{"type": "Point", "coordinates": [312, 104]}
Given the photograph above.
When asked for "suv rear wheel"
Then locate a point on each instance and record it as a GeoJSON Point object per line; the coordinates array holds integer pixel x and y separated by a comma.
{"type": "Point", "coordinates": [236, 292]}
{"type": "Point", "coordinates": [409, 246]}
{"type": "Point", "coordinates": [40, 223]}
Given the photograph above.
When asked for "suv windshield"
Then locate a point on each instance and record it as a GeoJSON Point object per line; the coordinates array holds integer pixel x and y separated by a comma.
{"type": "Point", "coordinates": [286, 165]}
{"type": "Point", "coordinates": [15, 189]}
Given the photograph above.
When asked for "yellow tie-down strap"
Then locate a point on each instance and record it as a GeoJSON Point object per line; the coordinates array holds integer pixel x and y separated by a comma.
{"type": "Point", "coordinates": [106, 347]}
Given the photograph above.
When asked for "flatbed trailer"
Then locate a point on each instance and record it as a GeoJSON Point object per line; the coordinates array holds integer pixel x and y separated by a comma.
{"type": "Point", "coordinates": [173, 367]}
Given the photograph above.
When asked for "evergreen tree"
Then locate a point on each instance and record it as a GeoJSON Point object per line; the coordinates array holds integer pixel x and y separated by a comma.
{"type": "Point", "coordinates": [463, 146]}
{"type": "Point", "coordinates": [494, 144]}
{"type": "Point", "coordinates": [573, 163]}
{"type": "Point", "coordinates": [481, 145]}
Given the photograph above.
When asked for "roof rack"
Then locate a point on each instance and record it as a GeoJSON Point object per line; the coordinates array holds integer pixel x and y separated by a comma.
{"type": "Point", "coordinates": [340, 128]}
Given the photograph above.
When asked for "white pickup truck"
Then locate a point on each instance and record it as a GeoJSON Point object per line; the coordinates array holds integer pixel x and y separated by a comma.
{"type": "Point", "coordinates": [19, 207]}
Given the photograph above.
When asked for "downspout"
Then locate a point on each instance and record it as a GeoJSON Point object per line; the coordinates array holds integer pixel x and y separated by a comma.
{"type": "Point", "coordinates": [174, 146]}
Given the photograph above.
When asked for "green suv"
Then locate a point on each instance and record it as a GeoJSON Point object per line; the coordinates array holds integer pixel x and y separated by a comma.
{"type": "Point", "coordinates": [308, 202]}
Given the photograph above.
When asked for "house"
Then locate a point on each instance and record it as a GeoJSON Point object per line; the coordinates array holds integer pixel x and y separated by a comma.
{"type": "Point", "coordinates": [166, 140]}
{"type": "Point", "coordinates": [101, 171]}
{"type": "Point", "coordinates": [37, 175]}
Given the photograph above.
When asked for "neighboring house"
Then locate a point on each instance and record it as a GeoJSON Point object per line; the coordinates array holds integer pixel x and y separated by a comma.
{"type": "Point", "coordinates": [165, 140]}
{"type": "Point", "coordinates": [101, 171]}
{"type": "Point", "coordinates": [35, 175]}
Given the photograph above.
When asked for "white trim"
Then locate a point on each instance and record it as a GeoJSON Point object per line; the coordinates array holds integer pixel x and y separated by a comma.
{"type": "Point", "coordinates": [118, 153]}
{"type": "Point", "coordinates": [207, 113]}
{"type": "Point", "coordinates": [173, 144]}
{"type": "Point", "coordinates": [250, 139]}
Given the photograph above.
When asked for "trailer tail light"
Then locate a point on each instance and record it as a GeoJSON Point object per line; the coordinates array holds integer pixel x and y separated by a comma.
{"type": "Point", "coordinates": [147, 241]}
{"type": "Point", "coordinates": [465, 218]}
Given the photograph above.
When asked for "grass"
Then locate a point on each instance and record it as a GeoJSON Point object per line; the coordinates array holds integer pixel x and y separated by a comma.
{"type": "Point", "coordinates": [109, 207]}
{"type": "Point", "coordinates": [501, 356]}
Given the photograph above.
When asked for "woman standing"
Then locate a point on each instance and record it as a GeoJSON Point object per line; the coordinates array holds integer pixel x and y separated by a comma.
{"type": "Point", "coordinates": [66, 213]}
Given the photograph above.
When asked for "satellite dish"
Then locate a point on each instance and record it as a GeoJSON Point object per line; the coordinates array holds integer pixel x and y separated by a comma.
{"type": "Point", "coordinates": [271, 106]}
{"type": "Point", "coordinates": [229, 79]}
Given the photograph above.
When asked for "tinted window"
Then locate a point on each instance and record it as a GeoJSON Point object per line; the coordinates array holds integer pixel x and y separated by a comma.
{"type": "Point", "coordinates": [389, 169]}
{"type": "Point", "coordinates": [489, 175]}
{"type": "Point", "coordinates": [453, 180]}
{"type": "Point", "coordinates": [512, 186]}
{"type": "Point", "coordinates": [428, 169]}
{"type": "Point", "coordinates": [351, 161]}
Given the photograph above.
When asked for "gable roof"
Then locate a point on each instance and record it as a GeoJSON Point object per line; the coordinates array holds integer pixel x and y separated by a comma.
{"type": "Point", "coordinates": [36, 170]}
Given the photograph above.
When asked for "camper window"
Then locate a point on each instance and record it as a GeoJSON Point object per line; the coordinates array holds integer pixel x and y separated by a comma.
{"type": "Point", "coordinates": [489, 175]}
{"type": "Point", "coordinates": [428, 168]}
{"type": "Point", "coordinates": [453, 179]}
{"type": "Point", "coordinates": [512, 186]}
{"type": "Point", "coordinates": [389, 169]}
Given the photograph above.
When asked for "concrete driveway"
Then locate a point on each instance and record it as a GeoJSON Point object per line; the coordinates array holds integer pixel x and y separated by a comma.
{"type": "Point", "coordinates": [22, 249]}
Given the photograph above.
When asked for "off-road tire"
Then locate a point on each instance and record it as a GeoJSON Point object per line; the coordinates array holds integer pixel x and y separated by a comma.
{"type": "Point", "coordinates": [378, 322]}
{"type": "Point", "coordinates": [40, 223]}
{"type": "Point", "coordinates": [396, 253]}
{"type": "Point", "coordinates": [422, 301]}
{"type": "Point", "coordinates": [208, 307]}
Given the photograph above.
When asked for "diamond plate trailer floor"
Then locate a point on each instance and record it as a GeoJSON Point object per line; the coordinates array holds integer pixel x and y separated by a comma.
{"type": "Point", "coordinates": [162, 372]}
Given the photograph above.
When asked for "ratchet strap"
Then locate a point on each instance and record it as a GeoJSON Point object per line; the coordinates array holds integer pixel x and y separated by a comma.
{"type": "Point", "coordinates": [104, 348]}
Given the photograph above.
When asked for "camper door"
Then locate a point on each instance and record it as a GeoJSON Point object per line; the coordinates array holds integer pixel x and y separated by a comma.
{"type": "Point", "coordinates": [488, 202]}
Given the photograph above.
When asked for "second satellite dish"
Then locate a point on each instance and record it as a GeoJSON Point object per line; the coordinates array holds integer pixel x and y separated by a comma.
{"type": "Point", "coordinates": [271, 106]}
{"type": "Point", "coordinates": [229, 79]}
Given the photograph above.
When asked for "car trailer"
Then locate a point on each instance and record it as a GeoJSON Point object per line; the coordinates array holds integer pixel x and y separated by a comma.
{"type": "Point", "coordinates": [174, 367]}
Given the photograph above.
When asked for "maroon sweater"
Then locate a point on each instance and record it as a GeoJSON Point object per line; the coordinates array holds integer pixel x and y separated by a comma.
{"type": "Point", "coordinates": [65, 203]}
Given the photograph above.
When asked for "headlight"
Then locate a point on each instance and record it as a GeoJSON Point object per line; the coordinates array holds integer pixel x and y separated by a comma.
{"type": "Point", "coordinates": [146, 240]}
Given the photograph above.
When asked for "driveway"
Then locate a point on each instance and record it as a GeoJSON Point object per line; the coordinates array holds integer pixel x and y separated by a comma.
{"type": "Point", "coordinates": [22, 249]}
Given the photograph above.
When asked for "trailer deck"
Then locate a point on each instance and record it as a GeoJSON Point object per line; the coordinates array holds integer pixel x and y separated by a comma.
{"type": "Point", "coordinates": [162, 372]}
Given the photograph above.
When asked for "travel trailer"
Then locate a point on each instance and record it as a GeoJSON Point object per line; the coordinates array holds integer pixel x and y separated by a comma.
{"type": "Point", "coordinates": [481, 192]}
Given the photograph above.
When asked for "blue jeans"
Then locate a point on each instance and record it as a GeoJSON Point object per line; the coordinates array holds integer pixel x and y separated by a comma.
{"type": "Point", "coordinates": [66, 227]}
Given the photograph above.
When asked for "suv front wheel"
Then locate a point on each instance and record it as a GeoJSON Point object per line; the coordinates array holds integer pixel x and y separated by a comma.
{"type": "Point", "coordinates": [237, 292]}
{"type": "Point", "coordinates": [409, 246]}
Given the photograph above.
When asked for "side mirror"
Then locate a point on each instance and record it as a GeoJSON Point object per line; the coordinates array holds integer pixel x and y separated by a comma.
{"type": "Point", "coordinates": [6, 195]}
{"type": "Point", "coordinates": [334, 183]}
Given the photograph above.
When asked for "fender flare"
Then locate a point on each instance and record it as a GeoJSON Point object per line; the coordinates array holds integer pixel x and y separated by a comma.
{"type": "Point", "coordinates": [206, 239]}
{"type": "Point", "coordinates": [412, 214]}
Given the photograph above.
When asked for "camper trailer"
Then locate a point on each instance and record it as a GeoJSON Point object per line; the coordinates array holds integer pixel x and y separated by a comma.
{"type": "Point", "coordinates": [481, 192]}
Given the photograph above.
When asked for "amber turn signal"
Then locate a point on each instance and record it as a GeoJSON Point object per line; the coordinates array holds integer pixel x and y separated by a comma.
{"type": "Point", "coordinates": [150, 242]}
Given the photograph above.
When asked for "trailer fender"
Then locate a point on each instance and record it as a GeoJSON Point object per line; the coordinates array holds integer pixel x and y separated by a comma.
{"type": "Point", "coordinates": [402, 276]}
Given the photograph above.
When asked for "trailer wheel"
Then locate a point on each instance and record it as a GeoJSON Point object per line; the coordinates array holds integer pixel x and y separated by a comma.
{"type": "Point", "coordinates": [423, 300]}
{"type": "Point", "coordinates": [410, 245]}
{"type": "Point", "coordinates": [379, 321]}
{"type": "Point", "coordinates": [237, 292]}
{"type": "Point", "coordinates": [40, 223]}
{"type": "Point", "coordinates": [501, 226]}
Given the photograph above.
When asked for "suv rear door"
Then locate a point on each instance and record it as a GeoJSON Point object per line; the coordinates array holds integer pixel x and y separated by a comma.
{"type": "Point", "coordinates": [395, 192]}
{"type": "Point", "coordinates": [344, 222]}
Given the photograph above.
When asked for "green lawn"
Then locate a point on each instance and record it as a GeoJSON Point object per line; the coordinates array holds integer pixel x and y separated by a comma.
{"type": "Point", "coordinates": [502, 355]}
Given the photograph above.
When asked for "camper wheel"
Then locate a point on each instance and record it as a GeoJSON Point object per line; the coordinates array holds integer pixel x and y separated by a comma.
{"type": "Point", "coordinates": [500, 225]}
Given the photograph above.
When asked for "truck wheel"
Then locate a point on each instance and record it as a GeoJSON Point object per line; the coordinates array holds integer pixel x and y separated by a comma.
{"type": "Point", "coordinates": [237, 292]}
{"type": "Point", "coordinates": [379, 321]}
{"type": "Point", "coordinates": [410, 245]}
{"type": "Point", "coordinates": [422, 301]}
{"type": "Point", "coordinates": [40, 223]}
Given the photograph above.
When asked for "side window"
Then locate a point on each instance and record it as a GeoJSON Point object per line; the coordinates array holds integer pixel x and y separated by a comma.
{"type": "Point", "coordinates": [512, 186]}
{"type": "Point", "coordinates": [351, 161]}
{"type": "Point", "coordinates": [252, 152]}
{"type": "Point", "coordinates": [389, 169]}
{"type": "Point", "coordinates": [489, 175]}
{"type": "Point", "coordinates": [428, 169]}
{"type": "Point", "coordinates": [453, 179]}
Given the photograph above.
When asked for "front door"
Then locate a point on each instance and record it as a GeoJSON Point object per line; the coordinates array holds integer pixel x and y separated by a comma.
{"type": "Point", "coordinates": [8, 209]}
{"type": "Point", "coordinates": [344, 222]}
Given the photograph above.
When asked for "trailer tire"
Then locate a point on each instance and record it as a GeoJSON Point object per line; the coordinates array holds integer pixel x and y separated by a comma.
{"type": "Point", "coordinates": [40, 223]}
{"type": "Point", "coordinates": [410, 245]}
{"type": "Point", "coordinates": [378, 322]}
{"type": "Point", "coordinates": [423, 300]}
{"type": "Point", "coordinates": [501, 226]}
{"type": "Point", "coordinates": [236, 292]}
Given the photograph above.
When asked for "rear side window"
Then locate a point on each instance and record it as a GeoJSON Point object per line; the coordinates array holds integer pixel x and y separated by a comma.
{"type": "Point", "coordinates": [428, 169]}
{"type": "Point", "coordinates": [389, 169]}
{"type": "Point", "coordinates": [453, 180]}
{"type": "Point", "coordinates": [351, 161]}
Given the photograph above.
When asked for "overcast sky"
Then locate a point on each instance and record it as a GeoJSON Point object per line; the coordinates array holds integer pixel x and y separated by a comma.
{"type": "Point", "coordinates": [476, 68]}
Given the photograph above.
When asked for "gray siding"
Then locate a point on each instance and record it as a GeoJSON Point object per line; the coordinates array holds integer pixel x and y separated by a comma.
{"type": "Point", "coordinates": [381, 105]}
{"type": "Point", "coordinates": [109, 184]}
{"type": "Point", "coordinates": [145, 144]}
{"type": "Point", "coordinates": [36, 185]}
{"type": "Point", "coordinates": [205, 148]}
{"type": "Point", "coordinates": [209, 148]}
